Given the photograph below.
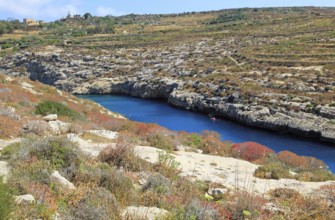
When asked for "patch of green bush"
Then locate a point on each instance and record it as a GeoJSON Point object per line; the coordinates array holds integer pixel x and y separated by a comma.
{"type": "Point", "coordinates": [193, 140]}
{"type": "Point", "coordinates": [167, 165]}
{"type": "Point", "coordinates": [60, 153]}
{"type": "Point", "coordinates": [160, 141]}
{"type": "Point", "coordinates": [158, 183]}
{"type": "Point", "coordinates": [50, 107]}
{"type": "Point", "coordinates": [6, 200]}
{"type": "Point", "coordinates": [102, 175]}
{"type": "Point", "coordinates": [98, 203]}
{"type": "Point", "coordinates": [10, 150]}
{"type": "Point", "coordinates": [273, 170]}
{"type": "Point", "coordinates": [315, 176]}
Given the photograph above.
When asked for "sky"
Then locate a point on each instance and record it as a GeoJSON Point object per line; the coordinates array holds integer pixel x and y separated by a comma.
{"type": "Point", "coordinates": [49, 10]}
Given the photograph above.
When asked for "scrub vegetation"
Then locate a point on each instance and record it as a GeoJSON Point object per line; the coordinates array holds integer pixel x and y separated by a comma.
{"type": "Point", "coordinates": [275, 42]}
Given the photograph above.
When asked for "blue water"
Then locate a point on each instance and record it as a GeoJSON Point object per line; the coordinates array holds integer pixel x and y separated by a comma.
{"type": "Point", "coordinates": [153, 111]}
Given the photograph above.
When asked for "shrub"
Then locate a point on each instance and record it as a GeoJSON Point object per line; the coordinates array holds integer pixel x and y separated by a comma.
{"type": "Point", "coordinates": [43, 195]}
{"type": "Point", "coordinates": [151, 199]}
{"type": "Point", "coordinates": [186, 190]}
{"type": "Point", "coordinates": [6, 200]}
{"type": "Point", "coordinates": [160, 141]}
{"type": "Point", "coordinates": [272, 171]}
{"type": "Point", "coordinates": [284, 193]}
{"type": "Point", "coordinates": [120, 185]}
{"type": "Point", "coordinates": [167, 165]}
{"type": "Point", "coordinates": [102, 175]}
{"type": "Point", "coordinates": [10, 150]}
{"type": "Point", "coordinates": [195, 209]}
{"type": "Point", "coordinates": [193, 140]}
{"type": "Point", "coordinates": [36, 127]}
{"type": "Point", "coordinates": [309, 208]}
{"type": "Point", "coordinates": [300, 163]}
{"type": "Point", "coordinates": [123, 155]}
{"type": "Point", "coordinates": [245, 205]}
{"type": "Point", "coordinates": [97, 204]}
{"type": "Point", "coordinates": [315, 176]}
{"type": "Point", "coordinates": [145, 130]}
{"type": "Point", "coordinates": [50, 107]}
{"type": "Point", "coordinates": [9, 127]}
{"type": "Point", "coordinates": [328, 192]}
{"type": "Point", "coordinates": [62, 154]}
{"type": "Point", "coordinates": [251, 151]}
{"type": "Point", "coordinates": [212, 134]}
{"type": "Point", "coordinates": [157, 183]}
{"type": "Point", "coordinates": [211, 145]}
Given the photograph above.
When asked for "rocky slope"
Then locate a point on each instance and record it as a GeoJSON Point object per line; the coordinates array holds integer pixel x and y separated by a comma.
{"type": "Point", "coordinates": [141, 73]}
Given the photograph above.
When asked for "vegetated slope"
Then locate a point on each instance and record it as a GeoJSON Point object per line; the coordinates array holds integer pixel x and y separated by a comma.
{"type": "Point", "coordinates": [88, 163]}
{"type": "Point", "coordinates": [271, 68]}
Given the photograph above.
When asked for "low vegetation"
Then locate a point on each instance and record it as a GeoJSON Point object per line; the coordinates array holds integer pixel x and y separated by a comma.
{"type": "Point", "coordinates": [50, 107]}
{"type": "Point", "coordinates": [259, 43]}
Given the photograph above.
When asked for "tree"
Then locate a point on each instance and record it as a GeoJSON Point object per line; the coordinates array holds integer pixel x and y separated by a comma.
{"type": "Point", "coordinates": [87, 16]}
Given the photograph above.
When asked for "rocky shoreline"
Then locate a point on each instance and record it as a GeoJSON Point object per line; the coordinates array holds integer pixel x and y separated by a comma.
{"type": "Point", "coordinates": [302, 124]}
{"type": "Point", "coordinates": [91, 75]}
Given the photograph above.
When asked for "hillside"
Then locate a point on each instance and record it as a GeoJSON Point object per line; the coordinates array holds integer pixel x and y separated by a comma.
{"type": "Point", "coordinates": [62, 157]}
{"type": "Point", "coordinates": [67, 158]}
{"type": "Point", "coordinates": [271, 68]}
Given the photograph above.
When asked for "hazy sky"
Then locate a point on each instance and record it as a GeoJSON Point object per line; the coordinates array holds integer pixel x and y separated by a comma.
{"type": "Point", "coordinates": [54, 9]}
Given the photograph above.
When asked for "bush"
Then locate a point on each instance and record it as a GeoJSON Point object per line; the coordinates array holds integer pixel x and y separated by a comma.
{"type": "Point", "coordinates": [315, 176]}
{"type": "Point", "coordinates": [193, 140]}
{"type": "Point", "coordinates": [9, 127]}
{"type": "Point", "coordinates": [211, 145]}
{"type": "Point", "coordinates": [158, 183]}
{"type": "Point", "coordinates": [23, 173]}
{"type": "Point", "coordinates": [300, 163]}
{"type": "Point", "coordinates": [167, 166]}
{"type": "Point", "coordinates": [103, 175]}
{"type": "Point", "coordinates": [195, 209]}
{"type": "Point", "coordinates": [328, 192]}
{"type": "Point", "coordinates": [6, 200]}
{"type": "Point", "coordinates": [246, 206]}
{"type": "Point", "coordinates": [160, 141]}
{"type": "Point", "coordinates": [285, 193]}
{"type": "Point", "coordinates": [50, 107]}
{"type": "Point", "coordinates": [10, 150]}
{"type": "Point", "coordinates": [272, 171]}
{"type": "Point", "coordinates": [251, 151]}
{"type": "Point", "coordinates": [120, 185]}
{"type": "Point", "coordinates": [62, 154]}
{"type": "Point", "coordinates": [123, 155]}
{"type": "Point", "coordinates": [97, 204]}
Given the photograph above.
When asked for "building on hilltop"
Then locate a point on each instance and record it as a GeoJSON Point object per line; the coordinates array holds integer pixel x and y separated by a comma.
{"type": "Point", "coordinates": [32, 22]}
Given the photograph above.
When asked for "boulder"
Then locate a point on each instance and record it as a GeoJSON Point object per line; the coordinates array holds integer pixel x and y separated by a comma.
{"type": "Point", "coordinates": [51, 117]}
{"type": "Point", "coordinates": [4, 169]}
{"type": "Point", "coordinates": [61, 181]}
{"type": "Point", "coordinates": [145, 213]}
{"type": "Point", "coordinates": [59, 127]}
{"type": "Point", "coordinates": [217, 193]}
{"type": "Point", "coordinates": [24, 199]}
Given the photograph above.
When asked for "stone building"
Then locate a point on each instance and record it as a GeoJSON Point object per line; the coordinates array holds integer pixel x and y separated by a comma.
{"type": "Point", "coordinates": [31, 22]}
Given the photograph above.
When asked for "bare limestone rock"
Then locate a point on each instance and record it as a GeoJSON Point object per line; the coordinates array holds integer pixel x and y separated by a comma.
{"type": "Point", "coordinates": [24, 199]}
{"type": "Point", "coordinates": [59, 127]}
{"type": "Point", "coordinates": [4, 170]}
{"type": "Point", "coordinates": [145, 213]}
{"type": "Point", "coordinates": [51, 117]}
{"type": "Point", "coordinates": [229, 172]}
{"type": "Point", "coordinates": [62, 181]}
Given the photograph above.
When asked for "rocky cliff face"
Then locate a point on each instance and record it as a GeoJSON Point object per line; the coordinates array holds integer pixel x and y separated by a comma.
{"type": "Point", "coordinates": [105, 75]}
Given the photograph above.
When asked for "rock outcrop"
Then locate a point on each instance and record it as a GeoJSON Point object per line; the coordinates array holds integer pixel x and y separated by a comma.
{"type": "Point", "coordinates": [142, 77]}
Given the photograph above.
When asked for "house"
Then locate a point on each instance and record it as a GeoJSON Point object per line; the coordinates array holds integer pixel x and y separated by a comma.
{"type": "Point", "coordinates": [31, 22]}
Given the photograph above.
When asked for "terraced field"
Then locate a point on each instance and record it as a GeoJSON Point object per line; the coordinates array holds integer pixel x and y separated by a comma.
{"type": "Point", "coordinates": [279, 58]}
